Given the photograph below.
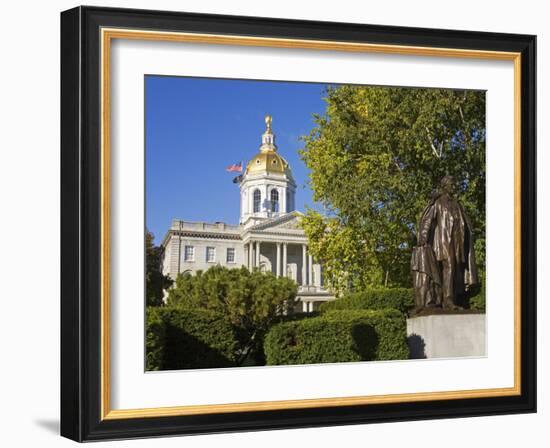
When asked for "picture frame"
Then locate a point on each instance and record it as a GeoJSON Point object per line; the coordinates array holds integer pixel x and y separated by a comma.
{"type": "Point", "coordinates": [86, 238]}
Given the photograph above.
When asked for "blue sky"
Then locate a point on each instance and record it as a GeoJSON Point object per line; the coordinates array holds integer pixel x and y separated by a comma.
{"type": "Point", "coordinates": [196, 127]}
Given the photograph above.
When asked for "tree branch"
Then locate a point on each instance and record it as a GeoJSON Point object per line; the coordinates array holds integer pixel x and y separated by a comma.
{"type": "Point", "coordinates": [461, 113]}
{"type": "Point", "coordinates": [397, 165]}
{"type": "Point", "coordinates": [434, 149]}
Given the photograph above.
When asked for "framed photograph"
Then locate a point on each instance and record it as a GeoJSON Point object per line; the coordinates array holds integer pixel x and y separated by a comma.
{"type": "Point", "coordinates": [274, 223]}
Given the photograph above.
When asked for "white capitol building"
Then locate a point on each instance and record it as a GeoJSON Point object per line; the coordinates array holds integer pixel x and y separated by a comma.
{"type": "Point", "coordinates": [268, 237]}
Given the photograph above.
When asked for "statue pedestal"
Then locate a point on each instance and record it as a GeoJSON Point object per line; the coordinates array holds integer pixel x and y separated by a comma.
{"type": "Point", "coordinates": [447, 335]}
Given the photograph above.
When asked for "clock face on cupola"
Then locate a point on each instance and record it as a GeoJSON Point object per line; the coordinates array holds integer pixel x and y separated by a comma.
{"type": "Point", "coordinates": [267, 187]}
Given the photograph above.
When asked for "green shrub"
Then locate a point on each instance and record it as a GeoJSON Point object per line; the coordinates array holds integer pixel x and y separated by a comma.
{"type": "Point", "coordinates": [475, 296]}
{"type": "Point", "coordinates": [477, 302]}
{"type": "Point", "coordinates": [390, 327]}
{"type": "Point", "coordinates": [251, 301]}
{"type": "Point", "coordinates": [189, 339]}
{"type": "Point", "coordinates": [338, 336]}
{"type": "Point", "coordinates": [316, 341]}
{"type": "Point", "coordinates": [401, 299]}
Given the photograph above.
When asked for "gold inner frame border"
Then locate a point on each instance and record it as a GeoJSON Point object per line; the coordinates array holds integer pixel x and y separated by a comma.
{"type": "Point", "coordinates": [107, 35]}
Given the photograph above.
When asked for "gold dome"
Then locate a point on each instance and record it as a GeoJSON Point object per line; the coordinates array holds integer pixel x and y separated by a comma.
{"type": "Point", "coordinates": [268, 160]}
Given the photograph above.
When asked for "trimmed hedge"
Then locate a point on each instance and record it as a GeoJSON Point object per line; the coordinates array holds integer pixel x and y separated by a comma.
{"type": "Point", "coordinates": [155, 336]}
{"type": "Point", "coordinates": [188, 339]}
{"type": "Point", "coordinates": [339, 336]}
{"type": "Point", "coordinates": [401, 299]}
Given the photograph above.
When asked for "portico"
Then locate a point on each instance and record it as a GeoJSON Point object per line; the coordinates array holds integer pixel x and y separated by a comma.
{"type": "Point", "coordinates": [279, 265]}
{"type": "Point", "coordinates": [280, 246]}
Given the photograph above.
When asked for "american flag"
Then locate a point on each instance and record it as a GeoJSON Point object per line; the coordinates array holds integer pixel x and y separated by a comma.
{"type": "Point", "coordinates": [236, 167]}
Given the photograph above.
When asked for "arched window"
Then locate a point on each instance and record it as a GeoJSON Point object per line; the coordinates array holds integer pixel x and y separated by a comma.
{"type": "Point", "coordinates": [274, 200]}
{"type": "Point", "coordinates": [257, 200]}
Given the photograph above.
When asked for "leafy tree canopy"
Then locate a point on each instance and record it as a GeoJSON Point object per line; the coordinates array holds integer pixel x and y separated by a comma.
{"type": "Point", "coordinates": [252, 301]}
{"type": "Point", "coordinates": [375, 157]}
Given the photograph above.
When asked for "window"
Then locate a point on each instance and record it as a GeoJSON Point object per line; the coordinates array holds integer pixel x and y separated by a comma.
{"type": "Point", "coordinates": [257, 200]}
{"type": "Point", "coordinates": [274, 200]}
{"type": "Point", "coordinates": [189, 253]}
{"type": "Point", "coordinates": [230, 255]}
{"type": "Point", "coordinates": [210, 254]}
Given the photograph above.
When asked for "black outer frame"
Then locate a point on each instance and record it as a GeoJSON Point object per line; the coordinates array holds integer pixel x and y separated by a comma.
{"type": "Point", "coordinates": [80, 223]}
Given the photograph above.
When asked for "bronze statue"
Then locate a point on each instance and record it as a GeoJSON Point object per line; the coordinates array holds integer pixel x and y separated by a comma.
{"type": "Point", "coordinates": [443, 264]}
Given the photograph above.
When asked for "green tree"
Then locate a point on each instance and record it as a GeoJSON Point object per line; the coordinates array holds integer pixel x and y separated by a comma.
{"type": "Point", "coordinates": [251, 301]}
{"type": "Point", "coordinates": [375, 156]}
{"type": "Point", "coordinates": [155, 280]}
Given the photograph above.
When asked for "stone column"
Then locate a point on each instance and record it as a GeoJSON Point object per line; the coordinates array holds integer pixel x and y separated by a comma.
{"type": "Point", "coordinates": [278, 260]}
{"type": "Point", "coordinates": [283, 206]}
{"type": "Point", "coordinates": [304, 307]}
{"type": "Point", "coordinates": [310, 273]}
{"type": "Point", "coordinates": [250, 255]}
{"type": "Point", "coordinates": [304, 265]}
{"type": "Point", "coordinates": [257, 254]}
{"type": "Point", "coordinates": [285, 247]}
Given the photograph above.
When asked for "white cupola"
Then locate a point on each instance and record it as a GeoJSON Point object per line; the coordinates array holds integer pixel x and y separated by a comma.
{"type": "Point", "coordinates": [267, 187]}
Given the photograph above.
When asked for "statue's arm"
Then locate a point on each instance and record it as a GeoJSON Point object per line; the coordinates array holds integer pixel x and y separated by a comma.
{"type": "Point", "coordinates": [425, 224]}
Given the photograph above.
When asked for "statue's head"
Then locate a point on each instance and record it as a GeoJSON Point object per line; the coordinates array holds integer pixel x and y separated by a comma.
{"type": "Point", "coordinates": [447, 184]}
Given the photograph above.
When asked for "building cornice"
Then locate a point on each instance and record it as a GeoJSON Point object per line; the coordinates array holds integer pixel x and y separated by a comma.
{"type": "Point", "coordinates": [275, 238]}
{"type": "Point", "coordinates": [206, 235]}
{"type": "Point", "coordinates": [265, 231]}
